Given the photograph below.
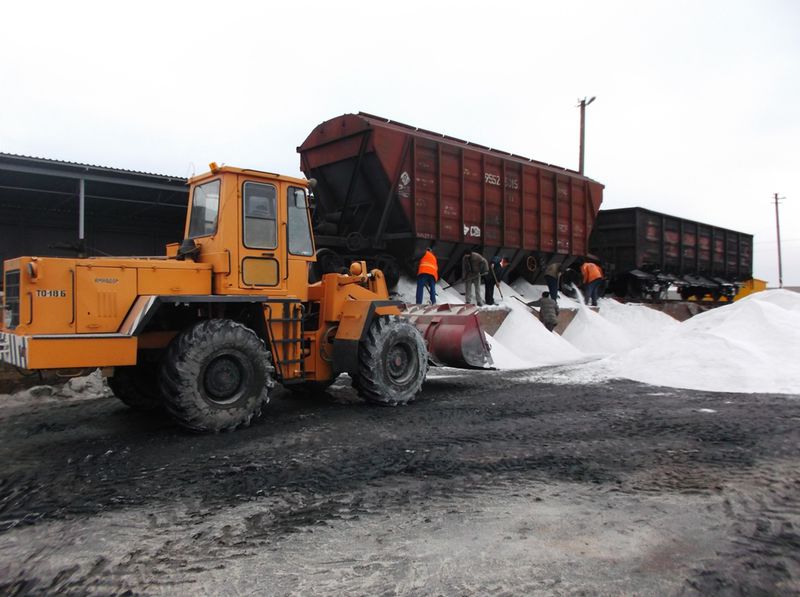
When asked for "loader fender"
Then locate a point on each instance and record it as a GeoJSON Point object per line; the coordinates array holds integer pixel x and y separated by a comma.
{"type": "Point", "coordinates": [146, 306]}
{"type": "Point", "coordinates": [356, 319]}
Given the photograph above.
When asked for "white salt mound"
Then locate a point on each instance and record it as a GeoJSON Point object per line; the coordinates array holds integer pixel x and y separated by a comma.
{"type": "Point", "coordinates": [640, 322]}
{"type": "Point", "coordinates": [616, 327]}
{"type": "Point", "coordinates": [504, 358]}
{"type": "Point", "coordinates": [524, 335]}
{"type": "Point", "coordinates": [591, 333]}
{"type": "Point", "coordinates": [749, 346]}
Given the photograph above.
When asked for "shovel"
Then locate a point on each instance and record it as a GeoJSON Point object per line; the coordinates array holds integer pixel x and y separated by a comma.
{"type": "Point", "coordinates": [497, 285]}
{"type": "Point", "coordinates": [523, 302]}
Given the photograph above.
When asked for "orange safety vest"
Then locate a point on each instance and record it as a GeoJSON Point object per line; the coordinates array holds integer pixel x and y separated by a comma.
{"type": "Point", "coordinates": [429, 265]}
{"type": "Point", "coordinates": [591, 272]}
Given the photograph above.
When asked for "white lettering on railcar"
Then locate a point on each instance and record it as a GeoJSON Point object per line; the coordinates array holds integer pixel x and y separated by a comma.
{"type": "Point", "coordinates": [472, 231]}
{"type": "Point", "coordinates": [403, 189]}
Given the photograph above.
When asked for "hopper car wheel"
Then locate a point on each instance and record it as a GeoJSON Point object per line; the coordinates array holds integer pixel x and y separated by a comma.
{"type": "Point", "coordinates": [392, 362]}
{"type": "Point", "coordinates": [216, 376]}
{"type": "Point", "coordinates": [330, 262]}
{"type": "Point", "coordinates": [137, 385]}
{"type": "Point", "coordinates": [390, 268]}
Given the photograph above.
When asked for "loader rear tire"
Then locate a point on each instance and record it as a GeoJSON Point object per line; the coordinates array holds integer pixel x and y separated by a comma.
{"type": "Point", "coordinates": [137, 385]}
{"type": "Point", "coordinates": [216, 376]}
{"type": "Point", "coordinates": [392, 361]}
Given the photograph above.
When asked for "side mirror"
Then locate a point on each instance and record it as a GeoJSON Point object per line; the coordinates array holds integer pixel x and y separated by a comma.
{"type": "Point", "coordinates": [188, 250]}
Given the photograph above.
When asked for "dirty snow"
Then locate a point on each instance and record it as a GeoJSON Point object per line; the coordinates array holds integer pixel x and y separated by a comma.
{"type": "Point", "coordinates": [76, 388]}
{"type": "Point", "coordinates": [749, 346]}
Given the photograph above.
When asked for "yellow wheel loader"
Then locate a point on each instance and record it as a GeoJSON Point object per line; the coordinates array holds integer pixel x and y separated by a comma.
{"type": "Point", "coordinates": [205, 331]}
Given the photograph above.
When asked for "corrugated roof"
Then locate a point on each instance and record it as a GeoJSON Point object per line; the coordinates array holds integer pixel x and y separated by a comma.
{"type": "Point", "coordinates": [77, 166]}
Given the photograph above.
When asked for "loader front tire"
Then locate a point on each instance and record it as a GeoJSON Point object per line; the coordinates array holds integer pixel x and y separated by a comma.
{"type": "Point", "coordinates": [216, 376]}
{"type": "Point", "coordinates": [392, 362]}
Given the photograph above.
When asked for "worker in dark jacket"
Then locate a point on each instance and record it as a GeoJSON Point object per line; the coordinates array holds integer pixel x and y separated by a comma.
{"type": "Point", "coordinates": [497, 268]}
{"type": "Point", "coordinates": [474, 266]}
{"type": "Point", "coordinates": [551, 275]}
{"type": "Point", "coordinates": [548, 311]}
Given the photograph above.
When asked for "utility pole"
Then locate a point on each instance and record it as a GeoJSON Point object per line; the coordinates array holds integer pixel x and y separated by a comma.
{"type": "Point", "coordinates": [778, 227]}
{"type": "Point", "coordinates": [583, 103]}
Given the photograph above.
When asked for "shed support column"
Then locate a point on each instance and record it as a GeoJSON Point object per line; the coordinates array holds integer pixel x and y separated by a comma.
{"type": "Point", "coordinates": [81, 212]}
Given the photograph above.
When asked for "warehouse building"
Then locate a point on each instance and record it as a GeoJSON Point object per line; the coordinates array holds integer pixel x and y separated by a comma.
{"type": "Point", "coordinates": [63, 209]}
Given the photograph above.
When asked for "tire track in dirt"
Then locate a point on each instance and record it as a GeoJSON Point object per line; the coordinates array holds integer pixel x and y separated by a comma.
{"type": "Point", "coordinates": [307, 464]}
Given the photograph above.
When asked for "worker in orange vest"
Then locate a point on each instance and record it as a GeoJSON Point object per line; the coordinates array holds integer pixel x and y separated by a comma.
{"type": "Point", "coordinates": [427, 274]}
{"type": "Point", "coordinates": [592, 278]}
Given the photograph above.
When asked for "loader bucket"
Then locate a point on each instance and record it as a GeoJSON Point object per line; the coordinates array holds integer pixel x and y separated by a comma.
{"type": "Point", "coordinates": [453, 335]}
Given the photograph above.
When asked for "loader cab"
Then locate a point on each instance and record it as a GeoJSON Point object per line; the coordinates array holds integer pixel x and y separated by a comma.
{"type": "Point", "coordinates": [255, 230]}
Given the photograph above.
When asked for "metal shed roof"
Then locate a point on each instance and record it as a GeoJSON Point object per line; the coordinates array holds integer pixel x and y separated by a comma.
{"type": "Point", "coordinates": [49, 167]}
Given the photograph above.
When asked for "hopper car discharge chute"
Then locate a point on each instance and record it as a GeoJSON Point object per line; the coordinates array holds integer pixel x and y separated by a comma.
{"type": "Point", "coordinates": [386, 191]}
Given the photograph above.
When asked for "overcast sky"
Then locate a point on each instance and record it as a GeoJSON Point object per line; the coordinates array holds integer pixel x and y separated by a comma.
{"type": "Point", "coordinates": [696, 112]}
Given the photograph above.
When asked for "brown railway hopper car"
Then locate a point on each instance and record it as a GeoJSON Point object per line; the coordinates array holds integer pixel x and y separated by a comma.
{"type": "Point", "coordinates": [387, 190]}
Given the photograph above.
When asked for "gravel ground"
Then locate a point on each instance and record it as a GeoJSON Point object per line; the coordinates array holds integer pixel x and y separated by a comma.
{"type": "Point", "coordinates": [489, 484]}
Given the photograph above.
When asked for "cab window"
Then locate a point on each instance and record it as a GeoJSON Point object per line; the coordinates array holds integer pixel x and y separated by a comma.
{"type": "Point", "coordinates": [205, 208]}
{"type": "Point", "coordinates": [260, 211]}
{"type": "Point", "coordinates": [300, 242]}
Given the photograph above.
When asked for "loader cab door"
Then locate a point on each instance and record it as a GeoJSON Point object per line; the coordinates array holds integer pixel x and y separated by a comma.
{"type": "Point", "coordinates": [262, 259]}
{"type": "Point", "coordinates": [276, 243]}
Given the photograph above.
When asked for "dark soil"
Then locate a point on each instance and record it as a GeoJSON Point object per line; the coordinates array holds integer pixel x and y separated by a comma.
{"type": "Point", "coordinates": [98, 499]}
